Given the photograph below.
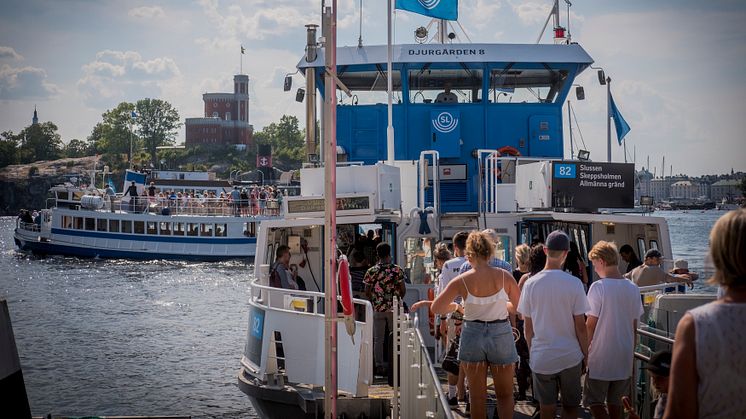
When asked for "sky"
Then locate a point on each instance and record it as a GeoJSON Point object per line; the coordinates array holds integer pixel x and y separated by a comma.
{"type": "Point", "coordinates": [676, 66]}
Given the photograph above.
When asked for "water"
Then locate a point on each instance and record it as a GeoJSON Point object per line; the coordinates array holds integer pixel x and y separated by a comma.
{"type": "Point", "coordinates": [158, 338]}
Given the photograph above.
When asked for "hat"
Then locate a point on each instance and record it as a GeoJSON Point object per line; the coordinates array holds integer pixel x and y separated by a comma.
{"type": "Point", "coordinates": [558, 240]}
{"type": "Point", "coordinates": [660, 363]}
{"type": "Point", "coordinates": [681, 264]}
{"type": "Point", "coordinates": [653, 253]}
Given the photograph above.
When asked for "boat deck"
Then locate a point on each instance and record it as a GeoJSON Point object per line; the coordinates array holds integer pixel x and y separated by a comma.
{"type": "Point", "coordinates": [523, 409]}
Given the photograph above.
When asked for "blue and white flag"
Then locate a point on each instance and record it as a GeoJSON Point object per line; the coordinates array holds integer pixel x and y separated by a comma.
{"type": "Point", "coordinates": [439, 9]}
{"type": "Point", "coordinates": [622, 127]}
{"type": "Point", "coordinates": [133, 114]}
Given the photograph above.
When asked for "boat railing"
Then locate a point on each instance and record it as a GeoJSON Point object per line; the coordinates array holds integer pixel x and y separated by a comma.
{"type": "Point", "coordinates": [417, 389]}
{"type": "Point", "coordinates": [293, 336]}
{"type": "Point", "coordinates": [650, 340]}
{"type": "Point", "coordinates": [196, 206]}
{"type": "Point", "coordinates": [28, 226]}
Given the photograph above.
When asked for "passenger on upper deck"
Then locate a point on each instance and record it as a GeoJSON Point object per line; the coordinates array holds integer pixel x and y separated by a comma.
{"type": "Point", "coordinates": [650, 272]}
{"type": "Point", "coordinates": [446, 96]}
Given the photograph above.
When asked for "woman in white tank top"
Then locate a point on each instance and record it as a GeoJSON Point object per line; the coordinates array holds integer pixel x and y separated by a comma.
{"type": "Point", "coordinates": [486, 336]}
{"type": "Point", "coordinates": [708, 368]}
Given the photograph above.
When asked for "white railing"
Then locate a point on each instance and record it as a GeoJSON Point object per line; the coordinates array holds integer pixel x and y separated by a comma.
{"type": "Point", "coordinates": [421, 392]}
{"type": "Point", "coordinates": [298, 316]}
{"type": "Point", "coordinates": [29, 226]}
{"type": "Point", "coordinates": [195, 206]}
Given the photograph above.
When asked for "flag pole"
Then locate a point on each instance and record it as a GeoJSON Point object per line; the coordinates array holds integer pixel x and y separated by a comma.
{"type": "Point", "coordinates": [389, 88]}
{"type": "Point", "coordinates": [608, 119]}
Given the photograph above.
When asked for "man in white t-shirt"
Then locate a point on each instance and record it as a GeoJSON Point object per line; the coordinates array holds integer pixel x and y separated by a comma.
{"type": "Point", "coordinates": [553, 304]}
{"type": "Point", "coordinates": [615, 308]}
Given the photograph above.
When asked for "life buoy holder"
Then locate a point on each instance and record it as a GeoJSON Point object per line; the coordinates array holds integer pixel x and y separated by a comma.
{"type": "Point", "coordinates": [509, 151]}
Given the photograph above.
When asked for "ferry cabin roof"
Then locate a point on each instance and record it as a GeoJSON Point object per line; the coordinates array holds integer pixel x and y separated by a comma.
{"type": "Point", "coordinates": [508, 95]}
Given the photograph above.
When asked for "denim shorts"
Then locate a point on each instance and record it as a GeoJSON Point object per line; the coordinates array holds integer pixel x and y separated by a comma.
{"type": "Point", "coordinates": [487, 342]}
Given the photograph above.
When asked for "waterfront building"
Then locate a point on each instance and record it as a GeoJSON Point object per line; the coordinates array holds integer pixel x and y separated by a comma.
{"type": "Point", "coordinates": [660, 189]}
{"type": "Point", "coordinates": [684, 189]}
{"type": "Point", "coordinates": [642, 184]}
{"type": "Point", "coordinates": [729, 189]}
{"type": "Point", "coordinates": [226, 118]}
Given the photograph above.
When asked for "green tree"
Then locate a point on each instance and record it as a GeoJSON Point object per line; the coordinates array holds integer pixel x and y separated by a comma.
{"type": "Point", "coordinates": [287, 140]}
{"type": "Point", "coordinates": [40, 142]}
{"type": "Point", "coordinates": [743, 186]}
{"type": "Point", "coordinates": [157, 123]}
{"type": "Point", "coordinates": [116, 131]}
{"type": "Point", "coordinates": [8, 148]}
{"type": "Point", "coordinates": [76, 148]}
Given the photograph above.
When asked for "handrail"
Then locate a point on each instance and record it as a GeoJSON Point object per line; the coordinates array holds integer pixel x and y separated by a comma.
{"type": "Point", "coordinates": [201, 207]}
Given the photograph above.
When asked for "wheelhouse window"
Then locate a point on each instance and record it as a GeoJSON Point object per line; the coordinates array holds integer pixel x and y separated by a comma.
{"type": "Point", "coordinates": [524, 85]}
{"type": "Point", "coordinates": [369, 87]}
{"type": "Point", "coordinates": [458, 83]}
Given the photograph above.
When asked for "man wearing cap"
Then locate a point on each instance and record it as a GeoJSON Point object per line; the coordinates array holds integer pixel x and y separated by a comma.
{"type": "Point", "coordinates": [650, 272]}
{"type": "Point", "coordinates": [659, 368]}
{"type": "Point", "coordinates": [553, 304]}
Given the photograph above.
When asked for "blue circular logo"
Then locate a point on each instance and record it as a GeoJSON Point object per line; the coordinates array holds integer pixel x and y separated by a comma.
{"type": "Point", "coordinates": [445, 122]}
{"type": "Point", "coordinates": [429, 4]}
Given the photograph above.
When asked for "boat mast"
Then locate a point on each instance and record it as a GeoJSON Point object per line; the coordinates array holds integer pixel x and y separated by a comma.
{"type": "Point", "coordinates": [330, 207]}
{"type": "Point", "coordinates": [389, 89]}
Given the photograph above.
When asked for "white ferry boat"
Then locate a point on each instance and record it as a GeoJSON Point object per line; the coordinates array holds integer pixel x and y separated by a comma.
{"type": "Point", "coordinates": [492, 158]}
{"type": "Point", "coordinates": [86, 222]}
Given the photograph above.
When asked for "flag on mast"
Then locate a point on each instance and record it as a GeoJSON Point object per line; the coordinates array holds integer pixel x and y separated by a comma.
{"type": "Point", "coordinates": [622, 127]}
{"type": "Point", "coordinates": [439, 9]}
{"type": "Point", "coordinates": [243, 50]}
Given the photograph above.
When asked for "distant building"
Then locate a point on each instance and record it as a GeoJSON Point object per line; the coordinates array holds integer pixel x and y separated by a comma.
{"type": "Point", "coordinates": [729, 189]}
{"type": "Point", "coordinates": [642, 184]}
{"type": "Point", "coordinates": [35, 119]}
{"type": "Point", "coordinates": [660, 189]}
{"type": "Point", "coordinates": [684, 189]}
{"type": "Point", "coordinates": [226, 120]}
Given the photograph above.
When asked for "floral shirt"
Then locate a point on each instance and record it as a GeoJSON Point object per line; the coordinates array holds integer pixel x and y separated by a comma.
{"type": "Point", "coordinates": [385, 281]}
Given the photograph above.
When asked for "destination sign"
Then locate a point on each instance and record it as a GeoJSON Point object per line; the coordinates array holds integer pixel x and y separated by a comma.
{"type": "Point", "coordinates": [306, 205]}
{"type": "Point", "coordinates": [591, 185]}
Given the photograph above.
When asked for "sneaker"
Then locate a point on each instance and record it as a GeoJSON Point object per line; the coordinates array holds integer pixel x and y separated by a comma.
{"type": "Point", "coordinates": [453, 402]}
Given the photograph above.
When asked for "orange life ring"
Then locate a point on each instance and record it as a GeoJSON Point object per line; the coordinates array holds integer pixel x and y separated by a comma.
{"type": "Point", "coordinates": [345, 285]}
{"type": "Point", "coordinates": [509, 151]}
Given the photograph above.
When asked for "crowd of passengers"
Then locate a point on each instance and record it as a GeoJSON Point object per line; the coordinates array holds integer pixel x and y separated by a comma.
{"type": "Point", "coordinates": [541, 323]}
{"type": "Point", "coordinates": [253, 201]}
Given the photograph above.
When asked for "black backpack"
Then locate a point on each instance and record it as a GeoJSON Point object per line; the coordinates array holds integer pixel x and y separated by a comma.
{"type": "Point", "coordinates": [274, 277]}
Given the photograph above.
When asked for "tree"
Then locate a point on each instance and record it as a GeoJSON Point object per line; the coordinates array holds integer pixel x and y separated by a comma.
{"type": "Point", "coordinates": [8, 148]}
{"type": "Point", "coordinates": [76, 148]}
{"type": "Point", "coordinates": [40, 142]}
{"type": "Point", "coordinates": [157, 123]}
{"type": "Point", "coordinates": [116, 136]}
{"type": "Point", "coordinates": [743, 186]}
{"type": "Point", "coordinates": [287, 140]}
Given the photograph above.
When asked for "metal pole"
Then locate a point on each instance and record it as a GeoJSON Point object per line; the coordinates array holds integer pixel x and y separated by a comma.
{"type": "Point", "coordinates": [310, 91]}
{"type": "Point", "coordinates": [569, 121]}
{"type": "Point", "coordinates": [608, 119]}
{"type": "Point", "coordinates": [389, 87]}
{"type": "Point", "coordinates": [330, 217]}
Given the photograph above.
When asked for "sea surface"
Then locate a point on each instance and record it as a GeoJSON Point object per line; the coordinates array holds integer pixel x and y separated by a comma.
{"type": "Point", "coordinates": [107, 337]}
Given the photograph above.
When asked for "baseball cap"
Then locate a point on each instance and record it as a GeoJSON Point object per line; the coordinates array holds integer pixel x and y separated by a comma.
{"type": "Point", "coordinates": [653, 253]}
{"type": "Point", "coordinates": [681, 264]}
{"type": "Point", "coordinates": [660, 363]}
{"type": "Point", "coordinates": [558, 240]}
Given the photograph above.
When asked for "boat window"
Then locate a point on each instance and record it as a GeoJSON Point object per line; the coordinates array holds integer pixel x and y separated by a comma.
{"type": "Point", "coordinates": [426, 83]}
{"type": "Point", "coordinates": [90, 224]}
{"type": "Point", "coordinates": [165, 228]}
{"type": "Point", "coordinates": [654, 244]}
{"type": "Point", "coordinates": [221, 230]}
{"type": "Point", "coordinates": [583, 243]}
{"type": "Point", "coordinates": [126, 226]}
{"type": "Point", "coordinates": [419, 259]}
{"type": "Point", "coordinates": [369, 87]}
{"type": "Point", "coordinates": [641, 249]}
{"type": "Point", "coordinates": [192, 229]}
{"type": "Point", "coordinates": [502, 248]}
{"type": "Point", "coordinates": [516, 85]}
{"type": "Point", "coordinates": [249, 229]}
{"type": "Point", "coordinates": [205, 230]}
{"type": "Point", "coordinates": [139, 227]}
{"type": "Point", "coordinates": [63, 195]}
{"type": "Point", "coordinates": [101, 224]}
{"type": "Point", "coordinates": [114, 226]}
{"type": "Point", "coordinates": [67, 221]}
{"type": "Point", "coordinates": [152, 227]}
{"type": "Point", "coordinates": [178, 229]}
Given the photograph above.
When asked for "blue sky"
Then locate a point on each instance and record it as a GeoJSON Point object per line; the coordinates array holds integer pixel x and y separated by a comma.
{"type": "Point", "coordinates": [677, 65]}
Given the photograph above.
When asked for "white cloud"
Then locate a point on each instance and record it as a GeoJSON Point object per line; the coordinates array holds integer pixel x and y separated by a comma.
{"type": "Point", "coordinates": [147, 12]}
{"type": "Point", "coordinates": [118, 75]}
{"type": "Point", "coordinates": [8, 52]}
{"type": "Point", "coordinates": [17, 83]}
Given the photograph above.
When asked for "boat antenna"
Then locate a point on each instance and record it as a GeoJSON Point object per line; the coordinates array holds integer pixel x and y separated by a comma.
{"type": "Point", "coordinates": [360, 29]}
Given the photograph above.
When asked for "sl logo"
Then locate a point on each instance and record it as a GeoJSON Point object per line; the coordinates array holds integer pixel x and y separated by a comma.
{"type": "Point", "coordinates": [429, 4]}
{"type": "Point", "coordinates": [445, 122]}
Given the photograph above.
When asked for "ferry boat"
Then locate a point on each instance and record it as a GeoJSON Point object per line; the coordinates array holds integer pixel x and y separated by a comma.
{"type": "Point", "coordinates": [85, 222]}
{"type": "Point", "coordinates": [491, 159]}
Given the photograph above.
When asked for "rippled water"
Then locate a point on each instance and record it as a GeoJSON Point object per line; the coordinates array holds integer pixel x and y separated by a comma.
{"type": "Point", "coordinates": [158, 338]}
